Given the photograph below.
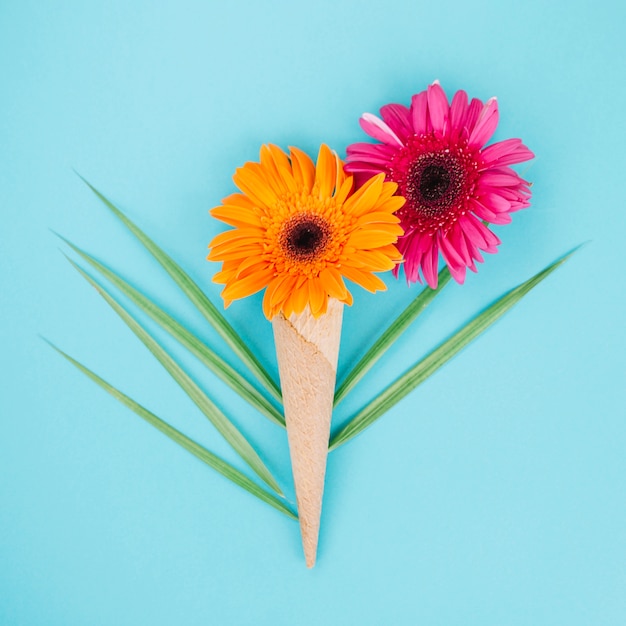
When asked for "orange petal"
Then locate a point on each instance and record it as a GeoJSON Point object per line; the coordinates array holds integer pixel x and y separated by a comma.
{"type": "Point", "coordinates": [251, 265]}
{"type": "Point", "coordinates": [237, 252]}
{"type": "Point", "coordinates": [377, 217]}
{"type": "Point", "coordinates": [287, 306]}
{"type": "Point", "coordinates": [374, 238]}
{"type": "Point", "coordinates": [269, 305]}
{"type": "Point", "coordinates": [238, 199]}
{"type": "Point", "coordinates": [247, 286]}
{"type": "Point", "coordinates": [371, 260]}
{"type": "Point", "coordinates": [317, 297]}
{"type": "Point", "coordinates": [223, 277]}
{"type": "Point", "coordinates": [325, 171]}
{"type": "Point", "coordinates": [236, 216]}
{"type": "Point", "coordinates": [284, 168]}
{"type": "Point", "coordinates": [365, 279]}
{"type": "Point", "coordinates": [255, 187]}
{"type": "Point", "coordinates": [228, 247]}
{"type": "Point", "coordinates": [230, 236]}
{"type": "Point", "coordinates": [266, 169]}
{"type": "Point", "coordinates": [300, 298]}
{"type": "Point", "coordinates": [333, 283]}
{"type": "Point", "coordinates": [365, 198]}
{"type": "Point", "coordinates": [391, 205]}
{"type": "Point", "coordinates": [344, 190]}
{"type": "Point", "coordinates": [340, 175]}
{"type": "Point", "coordinates": [283, 289]}
{"type": "Point", "coordinates": [279, 157]}
{"type": "Point", "coordinates": [391, 251]}
{"type": "Point", "coordinates": [303, 168]}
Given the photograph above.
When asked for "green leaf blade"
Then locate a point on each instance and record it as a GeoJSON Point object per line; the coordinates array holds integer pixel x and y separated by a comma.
{"type": "Point", "coordinates": [223, 425]}
{"type": "Point", "coordinates": [438, 357]}
{"type": "Point", "coordinates": [190, 341]}
{"type": "Point", "coordinates": [207, 457]}
{"type": "Point", "coordinates": [391, 335]}
{"type": "Point", "coordinates": [197, 297]}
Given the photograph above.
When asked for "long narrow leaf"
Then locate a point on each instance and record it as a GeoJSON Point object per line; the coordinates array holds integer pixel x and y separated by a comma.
{"type": "Point", "coordinates": [199, 299]}
{"type": "Point", "coordinates": [209, 358]}
{"type": "Point", "coordinates": [213, 461]}
{"type": "Point", "coordinates": [389, 337]}
{"type": "Point", "coordinates": [438, 357]}
{"type": "Point", "coordinates": [224, 426]}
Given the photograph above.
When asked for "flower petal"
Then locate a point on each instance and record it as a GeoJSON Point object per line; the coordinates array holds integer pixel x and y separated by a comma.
{"type": "Point", "coordinates": [368, 281]}
{"type": "Point", "coordinates": [507, 152]}
{"type": "Point", "coordinates": [419, 113]}
{"type": "Point", "coordinates": [333, 283]}
{"type": "Point", "coordinates": [398, 118]}
{"type": "Point", "coordinates": [430, 265]}
{"type": "Point", "coordinates": [247, 286]}
{"type": "Point", "coordinates": [458, 110]}
{"type": "Point", "coordinates": [325, 171]}
{"type": "Point", "coordinates": [485, 125]}
{"type": "Point", "coordinates": [365, 198]}
{"type": "Point", "coordinates": [377, 129]}
{"type": "Point", "coordinates": [255, 187]}
{"type": "Point", "coordinates": [303, 168]}
{"type": "Point", "coordinates": [437, 107]}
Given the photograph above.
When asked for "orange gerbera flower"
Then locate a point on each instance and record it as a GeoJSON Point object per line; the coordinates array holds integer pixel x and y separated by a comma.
{"type": "Point", "coordinates": [300, 230]}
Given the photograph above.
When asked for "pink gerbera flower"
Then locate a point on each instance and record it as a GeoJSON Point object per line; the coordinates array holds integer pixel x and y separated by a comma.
{"type": "Point", "coordinates": [435, 152]}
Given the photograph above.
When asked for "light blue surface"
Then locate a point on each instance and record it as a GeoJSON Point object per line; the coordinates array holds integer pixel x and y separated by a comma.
{"type": "Point", "coordinates": [494, 494]}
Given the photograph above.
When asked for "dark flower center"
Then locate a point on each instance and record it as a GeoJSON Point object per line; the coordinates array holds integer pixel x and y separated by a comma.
{"type": "Point", "coordinates": [434, 183]}
{"type": "Point", "coordinates": [305, 237]}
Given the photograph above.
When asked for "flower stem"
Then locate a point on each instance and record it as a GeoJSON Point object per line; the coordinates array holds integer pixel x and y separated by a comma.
{"type": "Point", "coordinates": [389, 337]}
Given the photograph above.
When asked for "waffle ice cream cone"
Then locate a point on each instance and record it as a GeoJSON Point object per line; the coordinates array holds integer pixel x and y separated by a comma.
{"type": "Point", "coordinates": [307, 349]}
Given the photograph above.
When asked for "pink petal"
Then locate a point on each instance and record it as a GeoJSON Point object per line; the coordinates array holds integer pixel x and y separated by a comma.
{"type": "Point", "coordinates": [489, 239]}
{"type": "Point", "coordinates": [377, 129]}
{"type": "Point", "coordinates": [486, 124]}
{"type": "Point", "coordinates": [517, 195]}
{"type": "Point", "coordinates": [489, 214]}
{"type": "Point", "coordinates": [458, 240]}
{"type": "Point", "coordinates": [458, 273]}
{"type": "Point", "coordinates": [499, 178]}
{"type": "Point", "coordinates": [455, 263]}
{"type": "Point", "coordinates": [501, 219]}
{"type": "Point", "coordinates": [448, 249]}
{"type": "Point", "coordinates": [430, 264]}
{"type": "Point", "coordinates": [471, 249]}
{"type": "Point", "coordinates": [482, 211]}
{"type": "Point", "coordinates": [473, 112]}
{"type": "Point", "coordinates": [358, 166]}
{"type": "Point", "coordinates": [479, 234]}
{"type": "Point", "coordinates": [367, 158]}
{"type": "Point", "coordinates": [495, 202]}
{"type": "Point", "coordinates": [398, 118]}
{"type": "Point", "coordinates": [506, 152]}
{"type": "Point", "coordinates": [408, 247]}
{"type": "Point", "coordinates": [371, 149]}
{"type": "Point", "coordinates": [437, 107]}
{"type": "Point", "coordinates": [458, 110]}
{"type": "Point", "coordinates": [419, 113]}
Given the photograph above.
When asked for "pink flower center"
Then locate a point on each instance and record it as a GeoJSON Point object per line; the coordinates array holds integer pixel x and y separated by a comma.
{"type": "Point", "coordinates": [436, 177]}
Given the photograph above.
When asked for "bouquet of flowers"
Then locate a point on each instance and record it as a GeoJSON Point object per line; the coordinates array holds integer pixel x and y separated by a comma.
{"type": "Point", "coordinates": [424, 194]}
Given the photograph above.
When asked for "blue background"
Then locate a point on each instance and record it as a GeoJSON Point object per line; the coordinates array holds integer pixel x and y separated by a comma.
{"type": "Point", "coordinates": [494, 494]}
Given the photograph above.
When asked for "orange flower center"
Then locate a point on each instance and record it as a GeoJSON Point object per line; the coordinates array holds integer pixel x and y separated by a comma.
{"type": "Point", "coordinates": [305, 233]}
